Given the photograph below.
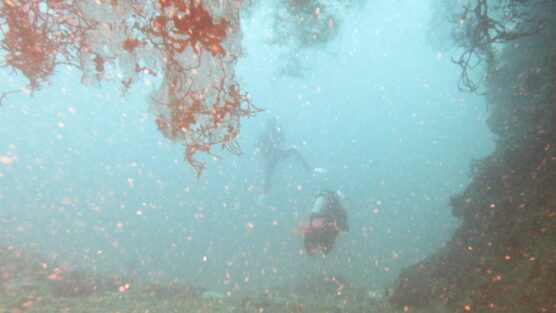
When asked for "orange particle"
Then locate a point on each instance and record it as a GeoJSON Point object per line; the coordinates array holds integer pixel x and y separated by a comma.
{"type": "Point", "coordinates": [27, 304]}
{"type": "Point", "coordinates": [69, 21]}
{"type": "Point", "coordinates": [124, 288]}
{"type": "Point", "coordinates": [507, 257]}
{"type": "Point", "coordinates": [406, 308]}
{"type": "Point", "coordinates": [53, 276]}
{"type": "Point", "coordinates": [215, 48]}
{"type": "Point", "coordinates": [5, 159]}
{"type": "Point", "coordinates": [467, 307]}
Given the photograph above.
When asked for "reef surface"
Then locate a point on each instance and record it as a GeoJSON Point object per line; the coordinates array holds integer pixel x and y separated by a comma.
{"type": "Point", "coordinates": [503, 257]}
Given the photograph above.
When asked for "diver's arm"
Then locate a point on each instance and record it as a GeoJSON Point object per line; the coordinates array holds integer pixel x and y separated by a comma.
{"type": "Point", "coordinates": [303, 162]}
{"type": "Point", "coordinates": [343, 220]}
{"type": "Point", "coordinates": [293, 152]}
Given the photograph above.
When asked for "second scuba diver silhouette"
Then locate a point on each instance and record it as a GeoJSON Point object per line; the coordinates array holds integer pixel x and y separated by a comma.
{"type": "Point", "coordinates": [270, 145]}
{"type": "Point", "coordinates": [328, 217]}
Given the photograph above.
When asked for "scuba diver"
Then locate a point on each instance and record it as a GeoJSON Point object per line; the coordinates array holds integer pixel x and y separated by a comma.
{"type": "Point", "coordinates": [271, 146]}
{"type": "Point", "coordinates": [327, 220]}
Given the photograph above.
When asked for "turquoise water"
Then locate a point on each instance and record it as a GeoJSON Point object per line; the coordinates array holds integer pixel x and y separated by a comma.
{"type": "Point", "coordinates": [88, 180]}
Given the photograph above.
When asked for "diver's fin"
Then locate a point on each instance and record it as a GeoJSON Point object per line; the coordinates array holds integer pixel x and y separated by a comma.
{"type": "Point", "coordinates": [320, 170]}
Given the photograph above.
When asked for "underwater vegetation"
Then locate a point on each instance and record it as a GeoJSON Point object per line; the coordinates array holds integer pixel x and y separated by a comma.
{"type": "Point", "coordinates": [481, 27]}
{"type": "Point", "coordinates": [192, 46]}
{"type": "Point", "coordinates": [189, 47]}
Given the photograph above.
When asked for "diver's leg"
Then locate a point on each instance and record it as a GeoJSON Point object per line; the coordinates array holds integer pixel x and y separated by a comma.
{"type": "Point", "coordinates": [267, 178]}
{"type": "Point", "coordinates": [310, 242]}
{"type": "Point", "coordinates": [329, 240]}
{"type": "Point", "coordinates": [328, 245]}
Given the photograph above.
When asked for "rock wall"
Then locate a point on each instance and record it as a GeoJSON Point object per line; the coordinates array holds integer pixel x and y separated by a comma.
{"type": "Point", "coordinates": [503, 257]}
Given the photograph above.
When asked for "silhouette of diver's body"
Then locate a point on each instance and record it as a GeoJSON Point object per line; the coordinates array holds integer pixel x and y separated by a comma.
{"type": "Point", "coordinates": [327, 220]}
{"type": "Point", "coordinates": [271, 146]}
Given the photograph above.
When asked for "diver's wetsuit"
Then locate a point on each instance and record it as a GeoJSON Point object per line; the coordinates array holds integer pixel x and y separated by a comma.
{"type": "Point", "coordinates": [271, 145]}
{"type": "Point", "coordinates": [327, 207]}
